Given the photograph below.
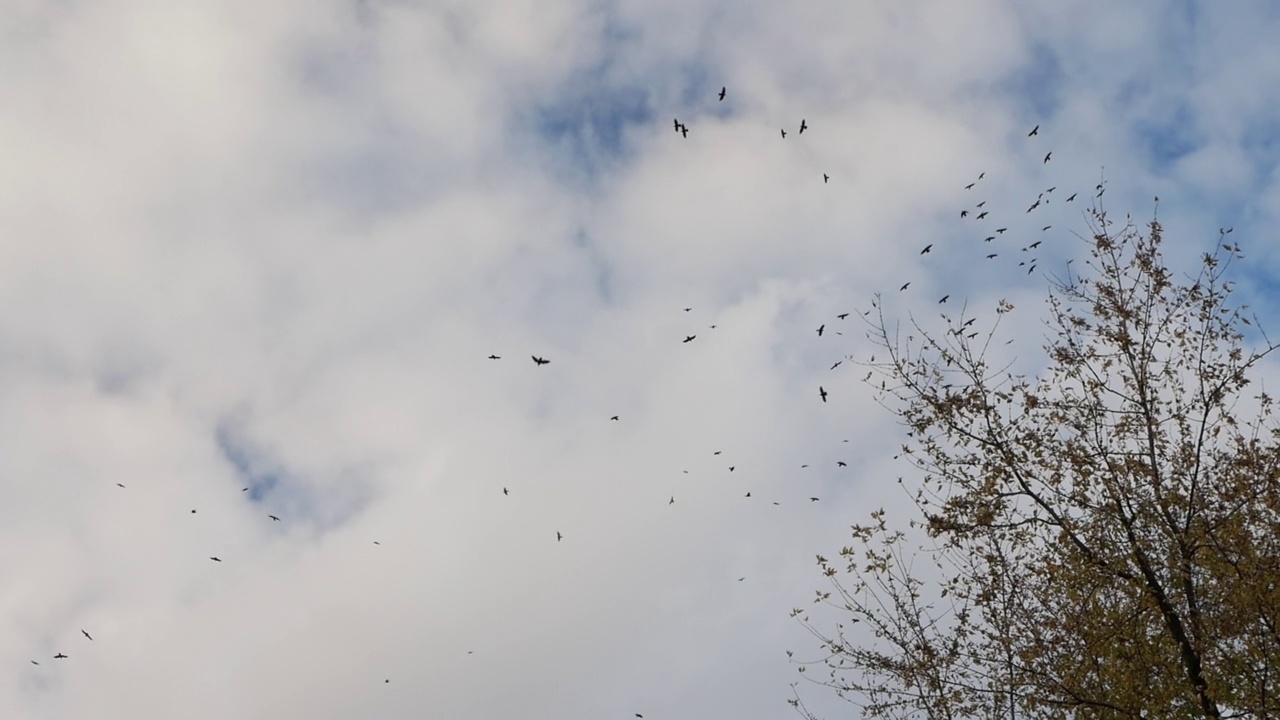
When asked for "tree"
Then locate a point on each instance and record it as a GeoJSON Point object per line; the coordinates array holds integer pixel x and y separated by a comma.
{"type": "Point", "coordinates": [1105, 538]}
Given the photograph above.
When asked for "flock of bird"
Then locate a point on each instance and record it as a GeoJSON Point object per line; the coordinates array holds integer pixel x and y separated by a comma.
{"type": "Point", "coordinates": [978, 212]}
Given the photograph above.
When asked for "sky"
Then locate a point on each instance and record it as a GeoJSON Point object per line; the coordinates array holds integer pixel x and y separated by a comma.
{"type": "Point", "coordinates": [255, 257]}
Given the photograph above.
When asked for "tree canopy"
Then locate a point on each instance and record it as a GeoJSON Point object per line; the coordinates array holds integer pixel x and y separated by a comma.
{"type": "Point", "coordinates": [1104, 539]}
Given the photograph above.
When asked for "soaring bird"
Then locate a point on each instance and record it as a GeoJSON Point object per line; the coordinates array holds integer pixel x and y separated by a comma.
{"type": "Point", "coordinates": [842, 316]}
{"type": "Point", "coordinates": [1035, 244]}
{"type": "Point", "coordinates": [979, 205]}
{"type": "Point", "coordinates": [684, 131]}
{"type": "Point", "coordinates": [688, 338]}
{"type": "Point", "coordinates": [904, 286]}
{"type": "Point", "coordinates": [494, 357]}
{"type": "Point", "coordinates": [1055, 187]}
{"type": "Point", "coordinates": [1047, 156]}
{"type": "Point", "coordinates": [803, 126]}
{"type": "Point", "coordinates": [989, 238]}
{"type": "Point", "coordinates": [784, 133]}
{"type": "Point", "coordinates": [676, 123]}
{"type": "Point", "coordinates": [274, 518]}
{"type": "Point", "coordinates": [215, 559]}
{"type": "Point", "coordinates": [505, 491]}
{"type": "Point", "coordinates": [119, 485]}
{"type": "Point", "coordinates": [821, 328]}
{"type": "Point", "coordinates": [813, 499]}
{"type": "Point", "coordinates": [944, 299]}
{"type": "Point", "coordinates": [825, 178]}
{"type": "Point", "coordinates": [59, 656]}
{"type": "Point", "coordinates": [841, 463]}
{"type": "Point", "coordinates": [1073, 197]}
{"type": "Point", "coordinates": [559, 537]}
{"type": "Point", "coordinates": [86, 634]}
{"type": "Point", "coordinates": [1034, 205]}
{"type": "Point", "coordinates": [982, 174]}
{"type": "Point", "coordinates": [673, 500]}
{"type": "Point", "coordinates": [615, 417]}
{"type": "Point", "coordinates": [1046, 227]}
{"type": "Point", "coordinates": [1034, 131]}
{"type": "Point", "coordinates": [982, 215]}
{"type": "Point", "coordinates": [539, 361]}
{"type": "Point", "coordinates": [969, 186]}
{"type": "Point", "coordinates": [833, 367]}
{"type": "Point", "coordinates": [964, 213]}
{"type": "Point", "coordinates": [822, 393]}
{"type": "Point", "coordinates": [991, 256]}
{"type": "Point", "coordinates": [927, 248]}
{"type": "Point", "coordinates": [722, 94]}
{"type": "Point", "coordinates": [1000, 231]}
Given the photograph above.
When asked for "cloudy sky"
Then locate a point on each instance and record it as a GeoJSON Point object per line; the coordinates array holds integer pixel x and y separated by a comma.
{"type": "Point", "coordinates": [272, 245]}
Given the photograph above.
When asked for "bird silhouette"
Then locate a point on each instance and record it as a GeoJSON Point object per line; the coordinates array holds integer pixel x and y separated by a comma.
{"type": "Point", "coordinates": [969, 186]}
{"type": "Point", "coordinates": [803, 126]}
{"type": "Point", "coordinates": [494, 357]}
{"type": "Point", "coordinates": [821, 328]}
{"type": "Point", "coordinates": [1073, 197]}
{"type": "Point", "coordinates": [59, 656]}
{"type": "Point", "coordinates": [944, 299]}
{"type": "Point", "coordinates": [989, 238]}
{"type": "Point", "coordinates": [33, 662]}
{"type": "Point", "coordinates": [1047, 156]}
{"type": "Point", "coordinates": [119, 485]}
{"type": "Point", "coordinates": [722, 90]}
{"type": "Point", "coordinates": [842, 316]}
{"type": "Point", "coordinates": [1046, 227]}
{"type": "Point", "coordinates": [784, 133]}
{"type": "Point", "coordinates": [215, 559]}
{"type": "Point", "coordinates": [979, 205]}
{"type": "Point", "coordinates": [673, 500]}
{"type": "Point", "coordinates": [833, 367]}
{"type": "Point", "coordinates": [813, 499]}
{"type": "Point", "coordinates": [841, 463]}
{"type": "Point", "coordinates": [539, 361]}
{"type": "Point", "coordinates": [1001, 231]}
{"type": "Point", "coordinates": [822, 393]}
{"type": "Point", "coordinates": [86, 634]}
{"type": "Point", "coordinates": [615, 417]}
{"type": "Point", "coordinates": [1034, 131]}
{"type": "Point", "coordinates": [559, 537]}
{"type": "Point", "coordinates": [981, 215]}
{"type": "Point", "coordinates": [964, 213]}
{"type": "Point", "coordinates": [926, 249]}
{"type": "Point", "coordinates": [1035, 244]}
{"type": "Point", "coordinates": [825, 178]}
{"type": "Point", "coordinates": [689, 338]}
{"type": "Point", "coordinates": [274, 518]}
{"type": "Point", "coordinates": [1055, 187]}
{"type": "Point", "coordinates": [505, 491]}
{"type": "Point", "coordinates": [676, 123]}
{"type": "Point", "coordinates": [904, 286]}
{"type": "Point", "coordinates": [684, 131]}
{"type": "Point", "coordinates": [992, 255]}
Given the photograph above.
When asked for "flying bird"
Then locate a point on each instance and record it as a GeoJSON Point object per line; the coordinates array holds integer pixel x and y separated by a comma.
{"type": "Point", "coordinates": [684, 131]}
{"type": "Point", "coordinates": [927, 248]}
{"type": "Point", "coordinates": [842, 316]}
{"type": "Point", "coordinates": [979, 205]}
{"type": "Point", "coordinates": [559, 537]}
{"type": "Point", "coordinates": [904, 286]}
{"type": "Point", "coordinates": [992, 255]}
{"type": "Point", "coordinates": [539, 361]}
{"type": "Point", "coordinates": [964, 213]}
{"type": "Point", "coordinates": [1046, 227]}
{"type": "Point", "coordinates": [1073, 197]}
{"type": "Point", "coordinates": [119, 485]}
{"type": "Point", "coordinates": [989, 238]}
{"type": "Point", "coordinates": [505, 491]}
{"type": "Point", "coordinates": [86, 634]}
{"type": "Point", "coordinates": [673, 500]}
{"type": "Point", "coordinates": [33, 662]}
{"type": "Point", "coordinates": [944, 299]}
{"type": "Point", "coordinates": [969, 186]}
{"type": "Point", "coordinates": [1055, 187]}
{"type": "Point", "coordinates": [274, 518]}
{"type": "Point", "coordinates": [676, 122]}
{"type": "Point", "coordinates": [841, 463]}
{"type": "Point", "coordinates": [1035, 244]}
{"type": "Point", "coordinates": [59, 656]}
{"type": "Point", "coordinates": [784, 133]}
{"type": "Point", "coordinates": [803, 126]}
{"type": "Point", "coordinates": [813, 499]}
{"type": "Point", "coordinates": [1047, 156]}
{"type": "Point", "coordinates": [833, 367]}
{"type": "Point", "coordinates": [215, 559]}
{"type": "Point", "coordinates": [981, 215]}
{"type": "Point", "coordinates": [1034, 131]}
{"type": "Point", "coordinates": [1000, 231]}
{"type": "Point", "coordinates": [494, 357]}
{"type": "Point", "coordinates": [821, 328]}
{"type": "Point", "coordinates": [825, 178]}
{"type": "Point", "coordinates": [822, 393]}
{"type": "Point", "coordinates": [615, 417]}
{"type": "Point", "coordinates": [689, 338]}
{"type": "Point", "coordinates": [722, 94]}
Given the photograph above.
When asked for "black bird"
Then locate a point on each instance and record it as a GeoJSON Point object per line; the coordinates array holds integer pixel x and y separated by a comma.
{"type": "Point", "coordinates": [1034, 205]}
{"type": "Point", "coordinates": [1046, 157]}
{"type": "Point", "coordinates": [717, 452]}
{"type": "Point", "coordinates": [539, 361]}
{"type": "Point", "coordinates": [559, 537]}
{"type": "Point", "coordinates": [615, 417]}
{"type": "Point", "coordinates": [842, 316]}
{"type": "Point", "coordinates": [981, 215]}
{"type": "Point", "coordinates": [784, 133]}
{"type": "Point", "coordinates": [822, 393]}
{"type": "Point", "coordinates": [747, 495]}
{"type": "Point", "coordinates": [803, 127]}
{"type": "Point", "coordinates": [375, 542]}
{"type": "Point", "coordinates": [979, 205]}
{"type": "Point", "coordinates": [274, 518]}
{"type": "Point", "coordinates": [841, 463]}
{"type": "Point", "coordinates": [982, 174]}
{"type": "Point", "coordinates": [1046, 227]}
{"type": "Point", "coordinates": [821, 328]}
{"type": "Point", "coordinates": [731, 467]}
{"type": "Point", "coordinates": [989, 238]}
{"type": "Point", "coordinates": [119, 485]}
{"type": "Point", "coordinates": [722, 94]}
{"type": "Point", "coordinates": [505, 491]}
{"type": "Point", "coordinates": [689, 338]}
{"type": "Point", "coordinates": [673, 500]}
{"type": "Point", "coordinates": [1034, 131]}
{"type": "Point", "coordinates": [244, 489]}
{"type": "Point", "coordinates": [964, 213]}
{"type": "Point", "coordinates": [494, 357]}
{"type": "Point", "coordinates": [825, 178]}
{"type": "Point", "coordinates": [833, 367]}
{"type": "Point", "coordinates": [944, 299]}
{"type": "Point", "coordinates": [813, 499]}
{"type": "Point", "coordinates": [688, 309]}
{"type": "Point", "coordinates": [684, 131]}
{"type": "Point", "coordinates": [676, 123]}
{"type": "Point", "coordinates": [1073, 197]}
{"type": "Point", "coordinates": [215, 559]}
{"type": "Point", "coordinates": [904, 286]}
{"type": "Point", "coordinates": [969, 186]}
{"type": "Point", "coordinates": [1055, 187]}
{"type": "Point", "coordinates": [969, 322]}
{"type": "Point", "coordinates": [926, 249]}
{"type": "Point", "coordinates": [1000, 231]}
{"type": "Point", "coordinates": [1035, 244]}
{"type": "Point", "coordinates": [59, 656]}
{"type": "Point", "coordinates": [86, 634]}
{"type": "Point", "coordinates": [33, 662]}
{"type": "Point", "coordinates": [992, 255]}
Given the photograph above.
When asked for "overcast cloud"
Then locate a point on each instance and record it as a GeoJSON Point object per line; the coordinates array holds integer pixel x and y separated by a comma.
{"type": "Point", "coordinates": [272, 245]}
